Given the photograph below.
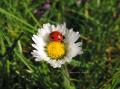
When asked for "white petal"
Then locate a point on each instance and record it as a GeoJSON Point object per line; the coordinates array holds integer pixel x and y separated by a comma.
{"type": "Point", "coordinates": [71, 36]}
{"type": "Point", "coordinates": [38, 40]}
{"type": "Point", "coordinates": [45, 31]}
{"type": "Point", "coordinates": [38, 59]}
{"type": "Point", "coordinates": [73, 49]}
{"type": "Point", "coordinates": [56, 63]}
{"type": "Point", "coordinates": [39, 54]}
{"type": "Point", "coordinates": [62, 28]}
{"type": "Point", "coordinates": [53, 28]}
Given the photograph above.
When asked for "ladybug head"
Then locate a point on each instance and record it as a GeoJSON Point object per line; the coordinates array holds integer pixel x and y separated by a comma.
{"type": "Point", "coordinates": [56, 36]}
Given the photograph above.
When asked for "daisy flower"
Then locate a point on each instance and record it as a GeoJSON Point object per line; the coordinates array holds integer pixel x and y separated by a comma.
{"type": "Point", "coordinates": [56, 44]}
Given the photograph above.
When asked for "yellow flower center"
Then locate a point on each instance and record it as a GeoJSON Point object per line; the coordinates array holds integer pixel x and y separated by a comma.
{"type": "Point", "coordinates": [55, 50]}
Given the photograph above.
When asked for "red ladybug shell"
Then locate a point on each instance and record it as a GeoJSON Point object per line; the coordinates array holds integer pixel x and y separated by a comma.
{"type": "Point", "coordinates": [56, 36]}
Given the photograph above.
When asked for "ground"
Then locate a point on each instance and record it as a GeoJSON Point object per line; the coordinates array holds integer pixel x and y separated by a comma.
{"type": "Point", "coordinates": [98, 22]}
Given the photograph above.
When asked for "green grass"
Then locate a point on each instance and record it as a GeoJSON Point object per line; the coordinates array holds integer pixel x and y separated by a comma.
{"type": "Point", "coordinates": [98, 22]}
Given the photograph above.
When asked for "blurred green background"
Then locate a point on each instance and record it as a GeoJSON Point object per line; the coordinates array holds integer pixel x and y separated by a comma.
{"type": "Point", "coordinates": [98, 22]}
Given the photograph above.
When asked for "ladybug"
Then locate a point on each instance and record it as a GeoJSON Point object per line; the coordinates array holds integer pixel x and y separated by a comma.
{"type": "Point", "coordinates": [56, 36]}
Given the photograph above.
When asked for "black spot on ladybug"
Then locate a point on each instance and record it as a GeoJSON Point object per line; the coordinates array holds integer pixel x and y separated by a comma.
{"type": "Point", "coordinates": [63, 37]}
{"type": "Point", "coordinates": [52, 37]}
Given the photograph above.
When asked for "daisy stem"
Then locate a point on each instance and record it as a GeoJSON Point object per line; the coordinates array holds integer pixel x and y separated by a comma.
{"type": "Point", "coordinates": [74, 80]}
{"type": "Point", "coordinates": [67, 84]}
